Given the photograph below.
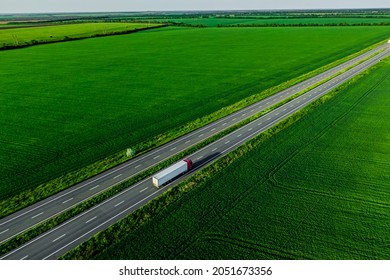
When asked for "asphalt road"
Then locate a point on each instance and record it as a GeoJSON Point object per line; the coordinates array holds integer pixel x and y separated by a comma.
{"type": "Point", "coordinates": [68, 235]}
{"type": "Point", "coordinates": [31, 216]}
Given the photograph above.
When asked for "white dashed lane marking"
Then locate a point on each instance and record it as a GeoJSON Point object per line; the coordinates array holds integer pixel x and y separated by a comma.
{"type": "Point", "coordinates": [37, 215]}
{"type": "Point", "coordinates": [90, 220]}
{"type": "Point", "coordinates": [59, 238]}
{"type": "Point", "coordinates": [116, 205]}
{"type": "Point", "coordinates": [67, 200]}
{"type": "Point", "coordinates": [91, 189]}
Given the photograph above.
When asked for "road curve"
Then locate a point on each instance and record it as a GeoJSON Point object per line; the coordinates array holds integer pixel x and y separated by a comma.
{"type": "Point", "coordinates": [33, 215]}
{"type": "Point", "coordinates": [68, 235]}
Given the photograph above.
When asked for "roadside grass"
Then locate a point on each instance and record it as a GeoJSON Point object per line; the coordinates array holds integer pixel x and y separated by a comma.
{"type": "Point", "coordinates": [45, 156]}
{"type": "Point", "coordinates": [317, 189]}
{"type": "Point", "coordinates": [18, 37]}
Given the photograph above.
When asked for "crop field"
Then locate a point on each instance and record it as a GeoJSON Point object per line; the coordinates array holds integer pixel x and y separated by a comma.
{"type": "Point", "coordinates": [319, 189]}
{"type": "Point", "coordinates": [66, 105]}
{"type": "Point", "coordinates": [3, 25]}
{"type": "Point", "coordinates": [213, 22]}
{"type": "Point", "coordinates": [32, 35]}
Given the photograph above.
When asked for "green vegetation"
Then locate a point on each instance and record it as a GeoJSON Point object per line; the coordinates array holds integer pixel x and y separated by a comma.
{"type": "Point", "coordinates": [21, 201]}
{"type": "Point", "coordinates": [55, 33]}
{"type": "Point", "coordinates": [44, 190]}
{"type": "Point", "coordinates": [70, 104]}
{"type": "Point", "coordinates": [319, 189]}
{"type": "Point", "coordinates": [17, 202]}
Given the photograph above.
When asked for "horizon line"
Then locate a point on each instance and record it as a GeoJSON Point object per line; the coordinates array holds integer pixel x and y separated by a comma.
{"type": "Point", "coordinates": [200, 10]}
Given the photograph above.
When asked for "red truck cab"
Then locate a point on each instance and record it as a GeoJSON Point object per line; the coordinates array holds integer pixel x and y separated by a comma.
{"type": "Point", "coordinates": [189, 163]}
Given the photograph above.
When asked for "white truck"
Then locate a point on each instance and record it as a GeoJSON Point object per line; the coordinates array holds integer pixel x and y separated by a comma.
{"type": "Point", "coordinates": [171, 172]}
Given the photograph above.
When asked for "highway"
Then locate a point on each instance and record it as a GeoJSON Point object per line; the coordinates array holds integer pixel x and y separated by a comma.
{"type": "Point", "coordinates": [57, 241]}
{"type": "Point", "coordinates": [33, 215]}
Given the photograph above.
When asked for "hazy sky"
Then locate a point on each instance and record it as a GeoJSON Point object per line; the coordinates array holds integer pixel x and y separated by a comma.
{"type": "Point", "coordinates": [32, 6]}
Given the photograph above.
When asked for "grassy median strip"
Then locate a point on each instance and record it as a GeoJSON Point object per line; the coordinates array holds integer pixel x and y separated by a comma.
{"type": "Point", "coordinates": [113, 234]}
{"type": "Point", "coordinates": [52, 187]}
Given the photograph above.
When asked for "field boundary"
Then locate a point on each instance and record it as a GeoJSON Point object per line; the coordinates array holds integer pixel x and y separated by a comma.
{"type": "Point", "coordinates": [67, 39]}
{"type": "Point", "coordinates": [305, 25]}
{"type": "Point", "coordinates": [272, 174]}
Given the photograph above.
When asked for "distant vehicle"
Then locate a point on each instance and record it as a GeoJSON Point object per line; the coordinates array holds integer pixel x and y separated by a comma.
{"type": "Point", "coordinates": [171, 172]}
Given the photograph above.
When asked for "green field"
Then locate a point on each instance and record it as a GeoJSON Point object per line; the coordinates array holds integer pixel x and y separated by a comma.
{"type": "Point", "coordinates": [8, 25]}
{"type": "Point", "coordinates": [66, 105]}
{"type": "Point", "coordinates": [213, 22]}
{"type": "Point", "coordinates": [319, 189]}
{"type": "Point", "coordinates": [33, 35]}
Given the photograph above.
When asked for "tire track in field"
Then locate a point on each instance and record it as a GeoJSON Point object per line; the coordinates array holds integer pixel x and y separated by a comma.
{"type": "Point", "coordinates": [51, 155]}
{"type": "Point", "coordinates": [247, 245]}
{"type": "Point", "coordinates": [363, 180]}
{"type": "Point", "coordinates": [211, 219]}
{"type": "Point", "coordinates": [300, 150]}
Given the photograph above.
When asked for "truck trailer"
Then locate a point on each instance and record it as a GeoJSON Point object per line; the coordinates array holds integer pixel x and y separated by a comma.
{"type": "Point", "coordinates": [171, 172]}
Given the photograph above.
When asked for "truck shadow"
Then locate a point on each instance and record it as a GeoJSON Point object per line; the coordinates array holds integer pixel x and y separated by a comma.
{"type": "Point", "coordinates": [198, 164]}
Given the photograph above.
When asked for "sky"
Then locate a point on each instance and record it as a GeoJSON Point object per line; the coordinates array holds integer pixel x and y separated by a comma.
{"type": "Point", "coordinates": [37, 6]}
